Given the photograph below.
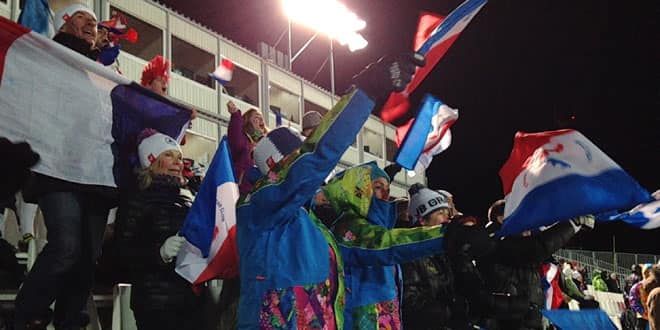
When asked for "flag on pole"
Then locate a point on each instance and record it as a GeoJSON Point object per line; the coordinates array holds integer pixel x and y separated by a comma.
{"type": "Point", "coordinates": [224, 72]}
{"type": "Point", "coordinates": [434, 37]}
{"type": "Point", "coordinates": [426, 135]}
{"type": "Point", "coordinates": [81, 117]}
{"type": "Point", "coordinates": [210, 226]}
{"type": "Point", "coordinates": [36, 16]}
{"type": "Point", "coordinates": [557, 175]}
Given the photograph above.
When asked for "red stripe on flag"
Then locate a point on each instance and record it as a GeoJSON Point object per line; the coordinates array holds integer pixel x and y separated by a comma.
{"type": "Point", "coordinates": [224, 264]}
{"type": "Point", "coordinates": [434, 139]}
{"type": "Point", "coordinates": [9, 32]}
{"type": "Point", "coordinates": [426, 24]}
{"type": "Point", "coordinates": [524, 146]}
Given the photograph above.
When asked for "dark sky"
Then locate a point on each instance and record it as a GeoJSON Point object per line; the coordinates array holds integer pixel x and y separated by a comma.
{"type": "Point", "coordinates": [520, 65]}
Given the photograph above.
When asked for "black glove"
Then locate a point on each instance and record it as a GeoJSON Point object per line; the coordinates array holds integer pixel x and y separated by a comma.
{"type": "Point", "coordinates": [389, 74]}
{"type": "Point", "coordinates": [15, 169]}
{"type": "Point", "coordinates": [392, 170]}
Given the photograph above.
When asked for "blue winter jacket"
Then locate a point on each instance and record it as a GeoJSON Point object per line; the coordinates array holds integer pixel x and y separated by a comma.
{"type": "Point", "coordinates": [280, 245]}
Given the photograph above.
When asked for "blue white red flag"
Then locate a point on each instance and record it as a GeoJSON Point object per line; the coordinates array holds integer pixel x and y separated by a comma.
{"type": "Point", "coordinates": [550, 276]}
{"type": "Point", "coordinates": [224, 72]}
{"type": "Point", "coordinates": [210, 226]}
{"type": "Point", "coordinates": [557, 175]}
{"type": "Point", "coordinates": [426, 135]}
{"type": "Point", "coordinates": [81, 117]}
{"type": "Point", "coordinates": [435, 35]}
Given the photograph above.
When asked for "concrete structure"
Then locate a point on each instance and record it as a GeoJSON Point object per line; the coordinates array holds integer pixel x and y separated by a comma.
{"type": "Point", "coordinates": [258, 83]}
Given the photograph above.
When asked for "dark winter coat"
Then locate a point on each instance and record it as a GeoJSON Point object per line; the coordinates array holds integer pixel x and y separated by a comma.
{"type": "Point", "coordinates": [145, 221]}
{"type": "Point", "coordinates": [511, 276]}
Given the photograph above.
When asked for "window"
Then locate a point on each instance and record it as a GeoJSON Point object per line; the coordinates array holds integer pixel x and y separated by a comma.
{"type": "Point", "coordinates": [309, 106]}
{"type": "Point", "coordinates": [150, 38]}
{"type": "Point", "coordinates": [286, 102]}
{"type": "Point", "coordinates": [390, 149]}
{"type": "Point", "coordinates": [199, 149]}
{"type": "Point", "coordinates": [192, 62]}
{"type": "Point", "coordinates": [372, 143]}
{"type": "Point", "coordinates": [244, 85]}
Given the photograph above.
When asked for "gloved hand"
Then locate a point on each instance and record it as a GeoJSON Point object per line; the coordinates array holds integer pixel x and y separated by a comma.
{"type": "Point", "coordinates": [389, 74]}
{"type": "Point", "coordinates": [108, 55]}
{"type": "Point", "coordinates": [171, 248]}
{"type": "Point", "coordinates": [585, 221]}
{"type": "Point", "coordinates": [15, 170]}
{"type": "Point", "coordinates": [392, 170]}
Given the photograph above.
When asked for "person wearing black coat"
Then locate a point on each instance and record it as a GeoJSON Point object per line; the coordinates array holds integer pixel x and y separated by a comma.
{"type": "Point", "coordinates": [511, 276]}
{"type": "Point", "coordinates": [75, 215]}
{"type": "Point", "coordinates": [146, 236]}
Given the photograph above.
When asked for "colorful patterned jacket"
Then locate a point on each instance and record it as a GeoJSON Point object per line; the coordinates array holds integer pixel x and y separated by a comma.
{"type": "Point", "coordinates": [371, 249]}
{"type": "Point", "coordinates": [284, 250]}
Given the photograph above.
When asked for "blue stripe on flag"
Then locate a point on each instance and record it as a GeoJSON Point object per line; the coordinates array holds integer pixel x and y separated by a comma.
{"type": "Point", "coordinates": [199, 225]}
{"type": "Point", "coordinates": [415, 139]}
{"type": "Point", "coordinates": [572, 196]}
{"type": "Point", "coordinates": [465, 9]}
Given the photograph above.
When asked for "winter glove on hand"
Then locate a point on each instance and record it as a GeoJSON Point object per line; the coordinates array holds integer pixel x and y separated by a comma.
{"type": "Point", "coordinates": [392, 170]}
{"type": "Point", "coordinates": [171, 248]}
{"type": "Point", "coordinates": [108, 55]}
{"type": "Point", "coordinates": [585, 221]}
{"type": "Point", "coordinates": [389, 74]}
{"type": "Point", "coordinates": [19, 158]}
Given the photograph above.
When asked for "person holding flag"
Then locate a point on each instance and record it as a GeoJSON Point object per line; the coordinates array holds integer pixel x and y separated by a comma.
{"type": "Point", "coordinates": [147, 239]}
{"type": "Point", "coordinates": [290, 265]}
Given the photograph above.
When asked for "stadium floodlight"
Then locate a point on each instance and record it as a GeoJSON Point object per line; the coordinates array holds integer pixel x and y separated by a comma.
{"type": "Point", "coordinates": [328, 17]}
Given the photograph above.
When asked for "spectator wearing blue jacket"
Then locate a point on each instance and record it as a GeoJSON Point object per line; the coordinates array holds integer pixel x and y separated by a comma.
{"type": "Point", "coordinates": [291, 268]}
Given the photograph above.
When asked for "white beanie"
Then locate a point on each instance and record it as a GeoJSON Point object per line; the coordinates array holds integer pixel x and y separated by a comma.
{"type": "Point", "coordinates": [151, 147]}
{"type": "Point", "coordinates": [274, 147]}
{"type": "Point", "coordinates": [63, 15]}
{"type": "Point", "coordinates": [423, 201]}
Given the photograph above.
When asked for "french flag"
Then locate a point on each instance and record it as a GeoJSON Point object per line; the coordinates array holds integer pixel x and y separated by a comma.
{"type": "Point", "coordinates": [557, 175]}
{"type": "Point", "coordinates": [224, 72]}
{"type": "Point", "coordinates": [81, 117]}
{"type": "Point", "coordinates": [210, 226]}
{"type": "Point", "coordinates": [550, 276]}
{"type": "Point", "coordinates": [435, 34]}
{"type": "Point", "coordinates": [426, 135]}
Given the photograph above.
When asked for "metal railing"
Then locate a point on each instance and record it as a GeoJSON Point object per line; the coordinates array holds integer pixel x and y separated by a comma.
{"type": "Point", "coordinates": [602, 260]}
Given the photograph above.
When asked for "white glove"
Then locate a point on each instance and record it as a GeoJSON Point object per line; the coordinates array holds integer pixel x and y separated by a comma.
{"type": "Point", "coordinates": [171, 247]}
{"type": "Point", "coordinates": [588, 221]}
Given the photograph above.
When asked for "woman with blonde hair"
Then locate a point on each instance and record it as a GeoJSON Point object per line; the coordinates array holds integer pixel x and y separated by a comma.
{"type": "Point", "coordinates": [148, 243]}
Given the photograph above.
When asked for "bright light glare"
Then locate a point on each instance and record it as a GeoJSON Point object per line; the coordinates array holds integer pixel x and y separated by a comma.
{"type": "Point", "coordinates": [330, 18]}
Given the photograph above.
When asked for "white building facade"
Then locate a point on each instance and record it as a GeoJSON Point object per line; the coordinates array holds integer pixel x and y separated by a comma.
{"type": "Point", "coordinates": [257, 83]}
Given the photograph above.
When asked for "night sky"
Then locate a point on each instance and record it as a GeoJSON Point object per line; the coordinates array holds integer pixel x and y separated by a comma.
{"type": "Point", "coordinates": [520, 65]}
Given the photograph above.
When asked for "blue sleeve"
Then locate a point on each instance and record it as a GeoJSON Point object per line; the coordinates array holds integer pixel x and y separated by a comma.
{"type": "Point", "coordinates": [365, 244]}
{"type": "Point", "coordinates": [290, 187]}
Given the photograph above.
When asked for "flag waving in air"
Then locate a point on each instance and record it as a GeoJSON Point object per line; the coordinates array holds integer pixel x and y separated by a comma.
{"type": "Point", "coordinates": [435, 35]}
{"type": "Point", "coordinates": [557, 175]}
{"type": "Point", "coordinates": [210, 226]}
{"type": "Point", "coordinates": [425, 135]}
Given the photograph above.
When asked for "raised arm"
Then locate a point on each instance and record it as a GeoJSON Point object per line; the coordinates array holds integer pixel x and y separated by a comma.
{"type": "Point", "coordinates": [366, 244]}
